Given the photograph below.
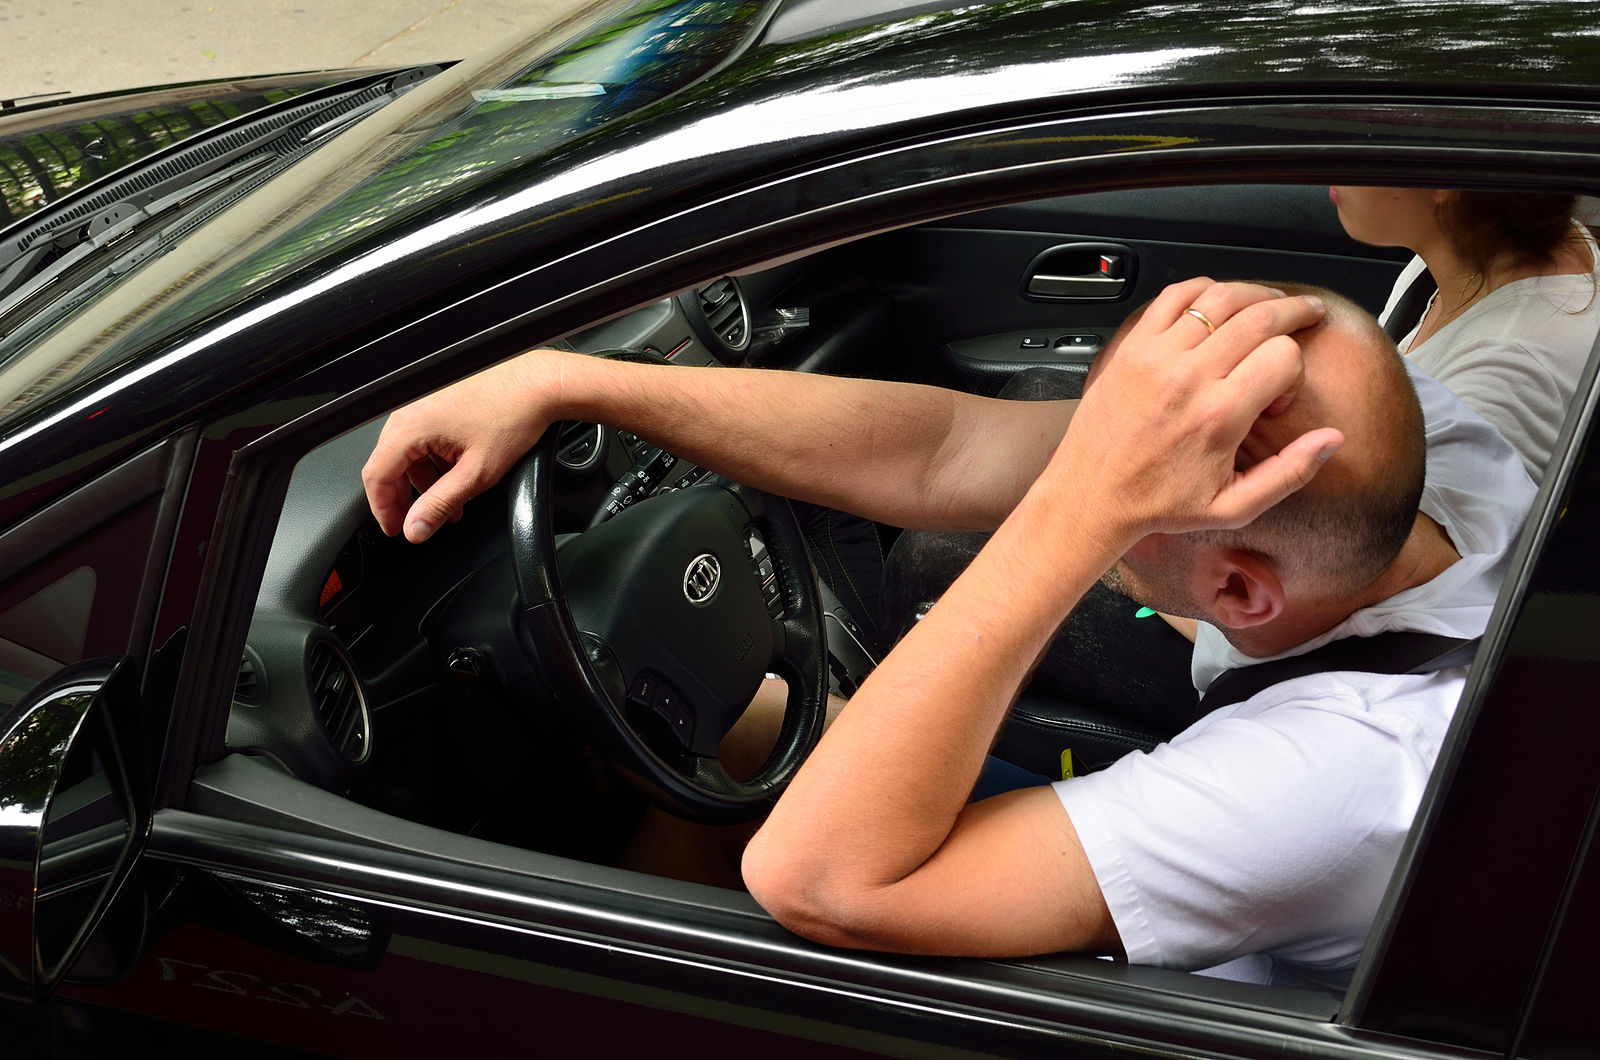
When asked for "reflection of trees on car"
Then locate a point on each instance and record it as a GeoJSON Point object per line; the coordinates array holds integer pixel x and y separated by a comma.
{"type": "Point", "coordinates": [478, 134]}
{"type": "Point", "coordinates": [1186, 40]}
{"type": "Point", "coordinates": [42, 165]}
{"type": "Point", "coordinates": [26, 780]}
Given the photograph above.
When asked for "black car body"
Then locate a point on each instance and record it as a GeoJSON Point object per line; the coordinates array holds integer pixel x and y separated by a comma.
{"type": "Point", "coordinates": [194, 859]}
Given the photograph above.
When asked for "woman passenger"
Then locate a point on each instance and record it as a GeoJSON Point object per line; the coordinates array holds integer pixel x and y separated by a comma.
{"type": "Point", "coordinates": [1517, 308]}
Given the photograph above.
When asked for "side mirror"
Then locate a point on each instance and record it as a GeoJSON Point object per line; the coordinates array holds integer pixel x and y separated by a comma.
{"type": "Point", "coordinates": [67, 820]}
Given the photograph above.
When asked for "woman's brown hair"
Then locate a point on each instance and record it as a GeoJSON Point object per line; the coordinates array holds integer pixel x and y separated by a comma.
{"type": "Point", "coordinates": [1531, 227]}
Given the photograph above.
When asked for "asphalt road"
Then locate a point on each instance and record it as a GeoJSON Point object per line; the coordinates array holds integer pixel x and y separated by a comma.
{"type": "Point", "coordinates": [83, 46]}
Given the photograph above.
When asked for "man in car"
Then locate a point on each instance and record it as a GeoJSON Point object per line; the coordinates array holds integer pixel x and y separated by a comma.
{"type": "Point", "coordinates": [1222, 470]}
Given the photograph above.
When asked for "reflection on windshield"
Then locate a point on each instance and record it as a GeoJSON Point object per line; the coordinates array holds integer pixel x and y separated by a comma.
{"type": "Point", "coordinates": [486, 125]}
{"type": "Point", "coordinates": [53, 153]}
{"type": "Point", "coordinates": [592, 81]}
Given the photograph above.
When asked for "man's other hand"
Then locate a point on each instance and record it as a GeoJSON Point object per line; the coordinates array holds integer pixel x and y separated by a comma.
{"type": "Point", "coordinates": [452, 445]}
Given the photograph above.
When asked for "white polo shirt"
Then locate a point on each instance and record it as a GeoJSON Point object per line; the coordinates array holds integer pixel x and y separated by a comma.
{"type": "Point", "coordinates": [1269, 829]}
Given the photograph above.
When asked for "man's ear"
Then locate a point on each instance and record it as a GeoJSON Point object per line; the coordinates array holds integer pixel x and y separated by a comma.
{"type": "Point", "coordinates": [1245, 590]}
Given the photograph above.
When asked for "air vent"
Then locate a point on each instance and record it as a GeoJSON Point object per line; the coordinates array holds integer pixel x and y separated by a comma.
{"type": "Point", "coordinates": [251, 686]}
{"type": "Point", "coordinates": [341, 708]}
{"type": "Point", "coordinates": [580, 446]}
{"type": "Point", "coordinates": [722, 306]}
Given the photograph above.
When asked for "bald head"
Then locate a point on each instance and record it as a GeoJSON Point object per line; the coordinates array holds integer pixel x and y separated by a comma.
{"type": "Point", "coordinates": [1343, 529]}
{"type": "Point", "coordinates": [1337, 534]}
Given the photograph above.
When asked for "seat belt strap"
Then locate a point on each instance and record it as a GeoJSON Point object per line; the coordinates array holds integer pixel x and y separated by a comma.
{"type": "Point", "coordinates": [1399, 652]}
{"type": "Point", "coordinates": [1410, 306]}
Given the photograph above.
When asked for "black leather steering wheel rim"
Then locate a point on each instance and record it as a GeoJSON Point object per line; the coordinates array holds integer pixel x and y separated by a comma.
{"type": "Point", "coordinates": [593, 685]}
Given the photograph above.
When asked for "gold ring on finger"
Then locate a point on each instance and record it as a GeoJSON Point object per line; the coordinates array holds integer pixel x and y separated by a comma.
{"type": "Point", "coordinates": [1210, 327]}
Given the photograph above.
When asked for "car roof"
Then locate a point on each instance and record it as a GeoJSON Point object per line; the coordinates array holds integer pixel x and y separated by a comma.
{"type": "Point", "coordinates": [1442, 43]}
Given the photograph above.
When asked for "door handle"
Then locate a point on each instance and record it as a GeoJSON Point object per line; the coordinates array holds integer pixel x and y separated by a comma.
{"type": "Point", "coordinates": [1080, 285]}
{"type": "Point", "coordinates": [1099, 272]}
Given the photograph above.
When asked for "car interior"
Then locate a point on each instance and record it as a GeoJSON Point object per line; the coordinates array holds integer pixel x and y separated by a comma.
{"type": "Point", "coordinates": [389, 682]}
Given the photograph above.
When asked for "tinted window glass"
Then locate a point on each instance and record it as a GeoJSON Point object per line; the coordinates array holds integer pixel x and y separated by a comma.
{"type": "Point", "coordinates": [76, 603]}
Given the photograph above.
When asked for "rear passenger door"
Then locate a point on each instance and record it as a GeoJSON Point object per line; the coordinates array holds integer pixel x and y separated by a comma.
{"type": "Point", "coordinates": [979, 296]}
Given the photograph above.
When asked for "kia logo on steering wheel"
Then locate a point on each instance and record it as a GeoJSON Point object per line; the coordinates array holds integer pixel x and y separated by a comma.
{"type": "Point", "coordinates": [701, 579]}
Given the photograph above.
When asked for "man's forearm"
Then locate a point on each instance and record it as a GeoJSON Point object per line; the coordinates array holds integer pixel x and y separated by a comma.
{"type": "Point", "coordinates": [905, 454]}
{"type": "Point", "coordinates": [913, 456]}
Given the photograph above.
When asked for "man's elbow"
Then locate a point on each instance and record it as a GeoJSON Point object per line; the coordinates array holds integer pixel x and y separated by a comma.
{"type": "Point", "coordinates": [811, 902]}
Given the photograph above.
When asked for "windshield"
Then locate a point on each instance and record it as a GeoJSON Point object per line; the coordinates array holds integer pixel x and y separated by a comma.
{"type": "Point", "coordinates": [477, 122]}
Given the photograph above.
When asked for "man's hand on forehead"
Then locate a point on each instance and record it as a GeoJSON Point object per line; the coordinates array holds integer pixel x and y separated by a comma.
{"type": "Point", "coordinates": [1159, 434]}
{"type": "Point", "coordinates": [1220, 297]}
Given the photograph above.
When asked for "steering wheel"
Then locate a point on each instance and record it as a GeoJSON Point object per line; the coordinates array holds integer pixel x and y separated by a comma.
{"type": "Point", "coordinates": [655, 628]}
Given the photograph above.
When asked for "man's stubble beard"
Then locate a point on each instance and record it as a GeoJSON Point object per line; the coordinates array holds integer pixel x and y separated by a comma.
{"type": "Point", "coordinates": [1149, 591]}
{"type": "Point", "coordinates": [1112, 579]}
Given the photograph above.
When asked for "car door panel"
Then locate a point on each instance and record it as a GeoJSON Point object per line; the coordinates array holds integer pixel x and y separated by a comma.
{"type": "Point", "coordinates": [392, 938]}
{"type": "Point", "coordinates": [439, 979]}
{"type": "Point", "coordinates": [971, 307]}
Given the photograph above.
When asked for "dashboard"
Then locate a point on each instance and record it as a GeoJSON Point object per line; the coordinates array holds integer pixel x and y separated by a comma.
{"type": "Point", "coordinates": [357, 672]}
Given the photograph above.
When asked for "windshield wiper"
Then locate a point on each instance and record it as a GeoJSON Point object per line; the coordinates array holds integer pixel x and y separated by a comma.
{"type": "Point", "coordinates": [281, 132]}
{"type": "Point", "coordinates": [59, 259]}
{"type": "Point", "coordinates": [43, 263]}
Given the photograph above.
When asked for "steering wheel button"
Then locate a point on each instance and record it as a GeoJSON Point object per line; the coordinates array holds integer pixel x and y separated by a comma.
{"type": "Point", "coordinates": [644, 690]}
{"type": "Point", "coordinates": [672, 709]}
